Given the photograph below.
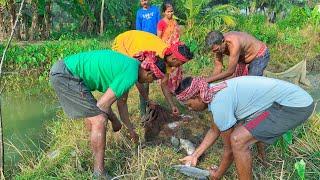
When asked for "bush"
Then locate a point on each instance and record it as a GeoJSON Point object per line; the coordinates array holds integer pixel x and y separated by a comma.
{"type": "Point", "coordinates": [42, 56]}
{"type": "Point", "coordinates": [257, 26]}
{"type": "Point", "coordinates": [296, 18]}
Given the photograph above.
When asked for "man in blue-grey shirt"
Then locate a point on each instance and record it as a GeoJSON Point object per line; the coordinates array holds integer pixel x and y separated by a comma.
{"type": "Point", "coordinates": [147, 17]}
{"type": "Point", "coordinates": [269, 108]}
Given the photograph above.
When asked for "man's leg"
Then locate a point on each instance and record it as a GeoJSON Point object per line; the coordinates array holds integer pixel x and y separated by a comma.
{"type": "Point", "coordinates": [241, 139]}
{"type": "Point", "coordinates": [261, 152]}
{"type": "Point", "coordinates": [143, 103]}
{"type": "Point", "coordinates": [97, 125]}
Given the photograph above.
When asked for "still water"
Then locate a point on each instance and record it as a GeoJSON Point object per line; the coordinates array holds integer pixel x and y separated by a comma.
{"type": "Point", "coordinates": [26, 108]}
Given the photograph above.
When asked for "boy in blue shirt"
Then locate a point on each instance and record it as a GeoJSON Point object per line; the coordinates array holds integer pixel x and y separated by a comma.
{"type": "Point", "coordinates": [269, 108]}
{"type": "Point", "coordinates": [147, 17]}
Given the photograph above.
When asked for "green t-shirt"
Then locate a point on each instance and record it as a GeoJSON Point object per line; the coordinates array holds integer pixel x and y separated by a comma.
{"type": "Point", "coordinates": [103, 69]}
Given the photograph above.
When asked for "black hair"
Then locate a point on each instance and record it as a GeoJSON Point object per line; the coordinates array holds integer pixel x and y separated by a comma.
{"type": "Point", "coordinates": [161, 65]}
{"type": "Point", "coordinates": [185, 51]}
{"type": "Point", "coordinates": [184, 84]}
{"type": "Point", "coordinates": [166, 4]}
{"type": "Point", "coordinates": [214, 37]}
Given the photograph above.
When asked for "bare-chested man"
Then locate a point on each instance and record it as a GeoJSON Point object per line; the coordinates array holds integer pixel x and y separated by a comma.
{"type": "Point", "coordinates": [247, 55]}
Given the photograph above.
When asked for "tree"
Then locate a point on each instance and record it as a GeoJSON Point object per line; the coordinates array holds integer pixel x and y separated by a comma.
{"type": "Point", "coordinates": [2, 29]}
{"type": "Point", "coordinates": [101, 18]}
{"type": "Point", "coordinates": [34, 30]}
{"type": "Point", "coordinates": [47, 19]}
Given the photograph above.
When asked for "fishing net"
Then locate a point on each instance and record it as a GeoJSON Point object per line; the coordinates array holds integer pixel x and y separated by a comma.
{"type": "Point", "coordinates": [154, 120]}
{"type": "Point", "coordinates": [305, 74]}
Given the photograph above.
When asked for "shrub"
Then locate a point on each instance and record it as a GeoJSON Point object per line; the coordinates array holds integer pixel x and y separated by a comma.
{"type": "Point", "coordinates": [296, 19]}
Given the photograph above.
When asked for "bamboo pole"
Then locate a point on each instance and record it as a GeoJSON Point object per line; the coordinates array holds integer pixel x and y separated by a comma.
{"type": "Point", "coordinates": [1, 64]}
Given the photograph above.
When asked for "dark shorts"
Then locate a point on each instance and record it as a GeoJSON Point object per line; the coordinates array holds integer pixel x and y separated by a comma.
{"type": "Point", "coordinates": [75, 98]}
{"type": "Point", "coordinates": [257, 66]}
{"type": "Point", "coordinates": [277, 120]}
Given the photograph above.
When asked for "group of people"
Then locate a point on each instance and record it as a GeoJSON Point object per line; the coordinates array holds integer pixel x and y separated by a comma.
{"type": "Point", "coordinates": [246, 107]}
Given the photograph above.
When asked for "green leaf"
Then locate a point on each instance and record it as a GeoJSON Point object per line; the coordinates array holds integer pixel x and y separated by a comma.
{"type": "Point", "coordinates": [301, 168]}
{"type": "Point", "coordinates": [288, 137]}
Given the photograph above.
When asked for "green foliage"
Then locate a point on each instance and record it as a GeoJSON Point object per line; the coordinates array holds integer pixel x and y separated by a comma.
{"type": "Point", "coordinates": [301, 168]}
{"type": "Point", "coordinates": [315, 16]}
{"type": "Point", "coordinates": [296, 19]}
{"type": "Point", "coordinates": [121, 14]}
{"type": "Point", "coordinates": [42, 56]}
{"type": "Point", "coordinates": [258, 27]}
{"type": "Point", "coordinates": [201, 19]}
{"type": "Point", "coordinates": [288, 137]}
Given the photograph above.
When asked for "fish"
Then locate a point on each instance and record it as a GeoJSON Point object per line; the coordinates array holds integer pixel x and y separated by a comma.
{"type": "Point", "coordinates": [175, 142]}
{"type": "Point", "coordinates": [192, 171]}
{"type": "Point", "coordinates": [173, 125]}
{"type": "Point", "coordinates": [187, 145]}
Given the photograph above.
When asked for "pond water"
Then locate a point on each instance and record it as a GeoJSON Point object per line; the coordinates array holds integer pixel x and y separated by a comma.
{"type": "Point", "coordinates": [25, 110]}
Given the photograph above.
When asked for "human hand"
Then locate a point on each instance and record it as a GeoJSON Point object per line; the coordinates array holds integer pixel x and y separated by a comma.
{"type": "Point", "coordinates": [152, 104]}
{"type": "Point", "coordinates": [175, 111]}
{"type": "Point", "coordinates": [134, 136]}
{"type": "Point", "coordinates": [189, 160]}
{"type": "Point", "coordinates": [214, 173]}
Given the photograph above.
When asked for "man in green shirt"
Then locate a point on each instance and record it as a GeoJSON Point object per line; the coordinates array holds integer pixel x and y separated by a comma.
{"type": "Point", "coordinates": [106, 71]}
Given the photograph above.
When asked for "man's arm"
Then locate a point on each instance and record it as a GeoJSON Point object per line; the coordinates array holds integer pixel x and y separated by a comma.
{"type": "Point", "coordinates": [233, 61]}
{"type": "Point", "coordinates": [218, 66]}
{"type": "Point", "coordinates": [168, 95]}
{"type": "Point", "coordinates": [124, 115]}
{"type": "Point", "coordinates": [211, 136]}
{"type": "Point", "coordinates": [227, 157]}
{"type": "Point", "coordinates": [142, 91]}
{"type": "Point", "coordinates": [107, 99]}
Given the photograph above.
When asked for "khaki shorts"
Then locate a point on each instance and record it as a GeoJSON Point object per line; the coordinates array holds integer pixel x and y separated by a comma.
{"type": "Point", "coordinates": [75, 98]}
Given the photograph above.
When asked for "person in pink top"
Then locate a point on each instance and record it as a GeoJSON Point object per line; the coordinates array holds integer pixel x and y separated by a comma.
{"type": "Point", "coordinates": [168, 28]}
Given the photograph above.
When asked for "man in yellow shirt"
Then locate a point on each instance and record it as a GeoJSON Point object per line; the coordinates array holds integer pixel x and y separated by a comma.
{"type": "Point", "coordinates": [136, 44]}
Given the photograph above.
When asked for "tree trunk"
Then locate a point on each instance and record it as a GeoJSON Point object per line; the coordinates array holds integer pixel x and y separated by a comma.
{"type": "Point", "coordinates": [2, 25]}
{"type": "Point", "coordinates": [47, 19]}
{"type": "Point", "coordinates": [253, 7]}
{"type": "Point", "coordinates": [24, 28]}
{"type": "Point", "coordinates": [12, 13]}
{"type": "Point", "coordinates": [101, 18]}
{"type": "Point", "coordinates": [34, 30]}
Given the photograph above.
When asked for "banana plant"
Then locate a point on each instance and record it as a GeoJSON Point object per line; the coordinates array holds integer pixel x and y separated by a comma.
{"type": "Point", "coordinates": [193, 8]}
{"type": "Point", "coordinates": [201, 18]}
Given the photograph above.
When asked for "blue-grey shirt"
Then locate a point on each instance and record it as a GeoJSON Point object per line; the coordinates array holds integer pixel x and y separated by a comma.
{"type": "Point", "coordinates": [247, 95]}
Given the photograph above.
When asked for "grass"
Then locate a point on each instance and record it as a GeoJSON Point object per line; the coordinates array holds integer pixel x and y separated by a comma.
{"type": "Point", "coordinates": [128, 161]}
{"type": "Point", "coordinates": [67, 154]}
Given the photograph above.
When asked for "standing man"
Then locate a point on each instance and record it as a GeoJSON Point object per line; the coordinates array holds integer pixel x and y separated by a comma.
{"type": "Point", "coordinates": [247, 55]}
{"type": "Point", "coordinates": [112, 73]}
{"type": "Point", "coordinates": [268, 108]}
{"type": "Point", "coordinates": [147, 17]}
